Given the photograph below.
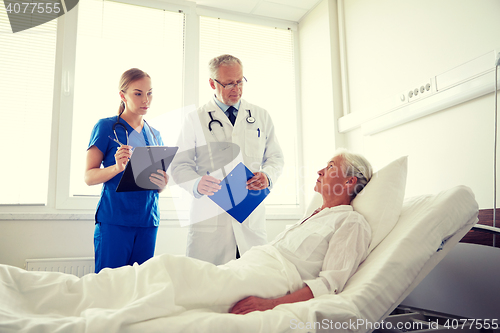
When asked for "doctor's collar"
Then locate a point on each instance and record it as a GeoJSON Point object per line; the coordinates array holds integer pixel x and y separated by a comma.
{"type": "Point", "coordinates": [223, 106]}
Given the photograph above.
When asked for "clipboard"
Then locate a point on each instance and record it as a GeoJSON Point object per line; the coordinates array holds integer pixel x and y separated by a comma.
{"type": "Point", "coordinates": [144, 162]}
{"type": "Point", "coordinates": [235, 198]}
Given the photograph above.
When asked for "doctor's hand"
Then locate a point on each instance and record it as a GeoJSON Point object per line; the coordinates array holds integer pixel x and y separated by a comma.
{"type": "Point", "coordinates": [251, 304]}
{"type": "Point", "coordinates": [208, 185]}
{"type": "Point", "coordinates": [123, 154]}
{"type": "Point", "coordinates": [258, 182]}
{"type": "Point", "coordinates": [160, 179]}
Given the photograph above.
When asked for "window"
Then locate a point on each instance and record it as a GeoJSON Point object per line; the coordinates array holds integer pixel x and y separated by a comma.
{"type": "Point", "coordinates": [66, 73]}
{"type": "Point", "coordinates": [267, 55]}
{"type": "Point", "coordinates": [27, 67]}
{"type": "Point", "coordinates": [112, 38]}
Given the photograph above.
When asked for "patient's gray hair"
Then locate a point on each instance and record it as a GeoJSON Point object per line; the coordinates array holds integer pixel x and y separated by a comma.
{"type": "Point", "coordinates": [225, 59]}
{"type": "Point", "coordinates": [355, 165]}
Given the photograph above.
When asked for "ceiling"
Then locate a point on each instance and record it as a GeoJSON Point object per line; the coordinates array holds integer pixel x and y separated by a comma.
{"type": "Point", "coordinates": [291, 10]}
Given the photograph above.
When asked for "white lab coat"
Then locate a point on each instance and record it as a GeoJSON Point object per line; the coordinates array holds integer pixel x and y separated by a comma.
{"type": "Point", "coordinates": [214, 234]}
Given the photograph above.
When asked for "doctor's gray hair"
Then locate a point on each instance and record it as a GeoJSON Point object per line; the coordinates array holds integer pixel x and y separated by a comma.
{"type": "Point", "coordinates": [355, 165]}
{"type": "Point", "coordinates": [225, 59]}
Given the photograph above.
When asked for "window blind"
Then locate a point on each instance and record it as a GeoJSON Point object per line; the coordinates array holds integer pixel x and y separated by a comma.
{"type": "Point", "coordinates": [27, 84]}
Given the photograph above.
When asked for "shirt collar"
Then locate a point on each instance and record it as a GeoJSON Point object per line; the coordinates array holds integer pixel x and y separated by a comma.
{"type": "Point", "coordinates": [338, 208]}
{"type": "Point", "coordinates": [224, 107]}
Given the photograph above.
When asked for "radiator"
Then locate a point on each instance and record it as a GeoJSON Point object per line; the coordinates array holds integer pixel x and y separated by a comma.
{"type": "Point", "coordinates": [75, 266]}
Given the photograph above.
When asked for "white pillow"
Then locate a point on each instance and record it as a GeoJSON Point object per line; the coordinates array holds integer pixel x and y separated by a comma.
{"type": "Point", "coordinates": [381, 200]}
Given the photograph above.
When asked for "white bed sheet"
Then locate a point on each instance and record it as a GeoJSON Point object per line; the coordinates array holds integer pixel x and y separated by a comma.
{"type": "Point", "coordinates": [377, 285]}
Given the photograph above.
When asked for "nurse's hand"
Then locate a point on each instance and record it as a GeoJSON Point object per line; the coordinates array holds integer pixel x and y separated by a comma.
{"type": "Point", "coordinates": [122, 156]}
{"type": "Point", "coordinates": [258, 182]}
{"type": "Point", "coordinates": [208, 185]}
{"type": "Point", "coordinates": [160, 179]}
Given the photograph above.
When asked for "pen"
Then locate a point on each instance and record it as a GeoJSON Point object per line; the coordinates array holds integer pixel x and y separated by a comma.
{"type": "Point", "coordinates": [258, 132]}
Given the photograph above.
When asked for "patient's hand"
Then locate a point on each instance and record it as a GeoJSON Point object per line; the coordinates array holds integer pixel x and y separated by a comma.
{"type": "Point", "coordinates": [251, 304]}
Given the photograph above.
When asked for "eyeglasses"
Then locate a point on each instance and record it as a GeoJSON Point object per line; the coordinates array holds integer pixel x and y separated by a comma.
{"type": "Point", "coordinates": [232, 85]}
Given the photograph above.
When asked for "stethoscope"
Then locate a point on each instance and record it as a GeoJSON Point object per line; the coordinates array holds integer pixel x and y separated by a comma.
{"type": "Point", "coordinates": [119, 123]}
{"type": "Point", "coordinates": [249, 120]}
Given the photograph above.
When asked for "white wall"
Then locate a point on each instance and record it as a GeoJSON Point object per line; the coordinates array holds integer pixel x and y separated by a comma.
{"type": "Point", "coordinates": [321, 91]}
{"type": "Point", "coordinates": [29, 239]}
{"type": "Point", "coordinates": [393, 45]}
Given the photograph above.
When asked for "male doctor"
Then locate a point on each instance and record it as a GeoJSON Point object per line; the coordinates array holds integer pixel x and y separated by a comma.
{"type": "Point", "coordinates": [223, 132]}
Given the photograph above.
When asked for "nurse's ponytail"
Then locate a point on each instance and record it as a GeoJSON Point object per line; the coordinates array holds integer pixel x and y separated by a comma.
{"type": "Point", "coordinates": [126, 79]}
{"type": "Point", "coordinates": [121, 108]}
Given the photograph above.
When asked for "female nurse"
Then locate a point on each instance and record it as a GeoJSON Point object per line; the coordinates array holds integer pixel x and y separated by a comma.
{"type": "Point", "coordinates": [126, 223]}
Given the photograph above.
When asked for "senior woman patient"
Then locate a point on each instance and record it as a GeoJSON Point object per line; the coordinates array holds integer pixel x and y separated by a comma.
{"type": "Point", "coordinates": [315, 256]}
{"type": "Point", "coordinates": [326, 247]}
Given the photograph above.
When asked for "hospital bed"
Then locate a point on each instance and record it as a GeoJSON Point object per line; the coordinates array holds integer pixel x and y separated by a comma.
{"type": "Point", "coordinates": [409, 238]}
{"type": "Point", "coordinates": [461, 292]}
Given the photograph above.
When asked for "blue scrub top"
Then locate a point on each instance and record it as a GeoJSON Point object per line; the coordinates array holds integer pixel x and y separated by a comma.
{"type": "Point", "coordinates": [132, 209]}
